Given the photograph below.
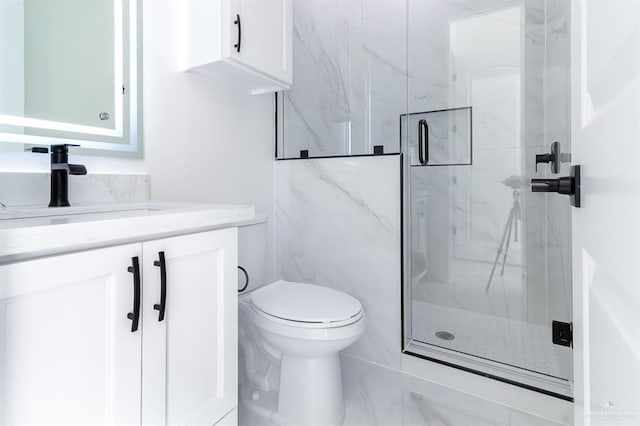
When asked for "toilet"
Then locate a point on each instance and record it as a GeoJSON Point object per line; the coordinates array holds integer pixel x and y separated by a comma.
{"type": "Point", "coordinates": [302, 328]}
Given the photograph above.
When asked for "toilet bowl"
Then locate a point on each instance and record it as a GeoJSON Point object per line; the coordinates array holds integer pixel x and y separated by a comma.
{"type": "Point", "coordinates": [307, 325]}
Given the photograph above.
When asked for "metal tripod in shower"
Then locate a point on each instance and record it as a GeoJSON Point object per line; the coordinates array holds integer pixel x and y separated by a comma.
{"type": "Point", "coordinates": [515, 183]}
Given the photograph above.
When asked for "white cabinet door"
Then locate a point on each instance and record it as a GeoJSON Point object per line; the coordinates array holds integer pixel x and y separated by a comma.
{"type": "Point", "coordinates": [265, 36]}
{"type": "Point", "coordinates": [190, 357]}
{"type": "Point", "coordinates": [68, 353]}
{"type": "Point", "coordinates": [246, 42]}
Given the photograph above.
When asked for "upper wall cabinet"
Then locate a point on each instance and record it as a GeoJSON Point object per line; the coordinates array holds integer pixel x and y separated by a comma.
{"type": "Point", "coordinates": [246, 41]}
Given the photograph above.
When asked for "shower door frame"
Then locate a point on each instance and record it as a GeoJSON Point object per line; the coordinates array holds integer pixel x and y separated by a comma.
{"type": "Point", "coordinates": [521, 377]}
{"type": "Point", "coordinates": [512, 375]}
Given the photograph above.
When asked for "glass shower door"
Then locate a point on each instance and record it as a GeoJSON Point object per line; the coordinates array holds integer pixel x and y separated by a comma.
{"type": "Point", "coordinates": [488, 264]}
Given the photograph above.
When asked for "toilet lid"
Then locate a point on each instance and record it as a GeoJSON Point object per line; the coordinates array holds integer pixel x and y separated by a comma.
{"type": "Point", "coordinates": [305, 302]}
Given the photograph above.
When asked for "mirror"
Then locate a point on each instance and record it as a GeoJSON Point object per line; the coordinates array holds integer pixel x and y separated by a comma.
{"type": "Point", "coordinates": [69, 73]}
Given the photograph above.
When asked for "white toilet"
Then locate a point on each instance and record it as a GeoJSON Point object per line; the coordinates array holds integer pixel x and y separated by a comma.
{"type": "Point", "coordinates": [304, 326]}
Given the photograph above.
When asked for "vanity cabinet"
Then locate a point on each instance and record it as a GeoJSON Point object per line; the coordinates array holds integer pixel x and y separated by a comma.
{"type": "Point", "coordinates": [248, 42]}
{"type": "Point", "coordinates": [72, 353]}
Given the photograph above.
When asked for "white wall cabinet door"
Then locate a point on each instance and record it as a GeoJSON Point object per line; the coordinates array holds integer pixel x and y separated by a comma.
{"type": "Point", "coordinates": [68, 353]}
{"type": "Point", "coordinates": [246, 42]}
{"type": "Point", "coordinates": [265, 36]}
{"type": "Point", "coordinates": [190, 357]}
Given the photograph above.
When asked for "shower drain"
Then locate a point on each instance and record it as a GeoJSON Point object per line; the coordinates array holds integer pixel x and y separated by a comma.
{"type": "Point", "coordinates": [445, 335]}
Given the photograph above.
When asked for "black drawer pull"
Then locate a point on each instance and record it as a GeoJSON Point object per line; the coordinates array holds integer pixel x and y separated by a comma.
{"type": "Point", "coordinates": [163, 286]}
{"type": "Point", "coordinates": [135, 315]}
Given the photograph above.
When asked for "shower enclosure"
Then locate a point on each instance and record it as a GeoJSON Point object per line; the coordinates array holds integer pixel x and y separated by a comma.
{"type": "Point", "coordinates": [487, 264]}
{"type": "Point", "coordinates": [469, 93]}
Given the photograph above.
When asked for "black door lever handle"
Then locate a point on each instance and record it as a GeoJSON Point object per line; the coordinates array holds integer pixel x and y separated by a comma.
{"type": "Point", "coordinates": [568, 185]}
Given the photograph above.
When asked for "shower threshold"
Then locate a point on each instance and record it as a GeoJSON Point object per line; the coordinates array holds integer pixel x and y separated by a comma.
{"type": "Point", "coordinates": [486, 368]}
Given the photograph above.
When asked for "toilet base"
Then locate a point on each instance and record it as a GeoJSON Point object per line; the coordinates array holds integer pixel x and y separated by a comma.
{"type": "Point", "coordinates": [310, 391]}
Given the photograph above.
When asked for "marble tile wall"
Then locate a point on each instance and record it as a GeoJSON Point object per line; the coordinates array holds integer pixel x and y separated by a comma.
{"type": "Point", "coordinates": [350, 85]}
{"type": "Point", "coordinates": [338, 225]}
{"type": "Point", "coordinates": [378, 73]}
{"type": "Point", "coordinates": [22, 189]}
{"type": "Point", "coordinates": [316, 109]}
{"type": "Point", "coordinates": [507, 59]}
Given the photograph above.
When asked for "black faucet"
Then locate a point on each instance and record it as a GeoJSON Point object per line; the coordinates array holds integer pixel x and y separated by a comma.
{"type": "Point", "coordinates": [60, 171]}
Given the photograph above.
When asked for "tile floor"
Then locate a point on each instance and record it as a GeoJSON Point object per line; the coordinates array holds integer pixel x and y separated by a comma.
{"type": "Point", "coordinates": [378, 396]}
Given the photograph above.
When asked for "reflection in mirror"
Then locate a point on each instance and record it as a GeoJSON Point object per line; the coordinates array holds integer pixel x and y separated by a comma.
{"type": "Point", "coordinates": [69, 73]}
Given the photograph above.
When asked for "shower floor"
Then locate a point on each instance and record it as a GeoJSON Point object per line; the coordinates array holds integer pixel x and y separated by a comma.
{"type": "Point", "coordinates": [502, 340]}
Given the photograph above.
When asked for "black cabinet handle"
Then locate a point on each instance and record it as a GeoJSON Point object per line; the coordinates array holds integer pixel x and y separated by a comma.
{"type": "Point", "coordinates": [239, 24]}
{"type": "Point", "coordinates": [423, 142]}
{"type": "Point", "coordinates": [162, 264]}
{"type": "Point", "coordinates": [135, 315]}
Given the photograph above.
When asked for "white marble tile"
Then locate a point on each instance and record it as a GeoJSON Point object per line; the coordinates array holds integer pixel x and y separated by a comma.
{"type": "Point", "coordinates": [19, 189]}
{"type": "Point", "coordinates": [378, 396]}
{"type": "Point", "coordinates": [350, 67]}
{"type": "Point", "coordinates": [338, 225]}
{"type": "Point", "coordinates": [378, 80]}
{"type": "Point", "coordinates": [316, 109]}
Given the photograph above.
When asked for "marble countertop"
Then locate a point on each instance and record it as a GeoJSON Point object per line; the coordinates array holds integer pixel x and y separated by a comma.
{"type": "Point", "coordinates": [36, 231]}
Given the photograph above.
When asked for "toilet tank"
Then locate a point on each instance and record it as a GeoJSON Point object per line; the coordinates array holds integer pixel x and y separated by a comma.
{"type": "Point", "coordinates": [253, 252]}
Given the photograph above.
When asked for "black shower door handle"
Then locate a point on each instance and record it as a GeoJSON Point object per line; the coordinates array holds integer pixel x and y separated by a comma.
{"type": "Point", "coordinates": [423, 142]}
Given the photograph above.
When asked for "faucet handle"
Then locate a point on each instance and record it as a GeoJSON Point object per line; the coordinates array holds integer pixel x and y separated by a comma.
{"type": "Point", "coordinates": [77, 169]}
{"type": "Point", "coordinates": [62, 147]}
{"type": "Point", "coordinates": [60, 153]}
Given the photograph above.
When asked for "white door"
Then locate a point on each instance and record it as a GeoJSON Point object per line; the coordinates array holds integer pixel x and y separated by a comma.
{"type": "Point", "coordinates": [264, 34]}
{"type": "Point", "coordinates": [68, 353]}
{"type": "Point", "coordinates": [606, 230]}
{"type": "Point", "coordinates": [190, 357]}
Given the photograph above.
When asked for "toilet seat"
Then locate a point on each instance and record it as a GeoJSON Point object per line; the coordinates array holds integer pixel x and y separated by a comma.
{"type": "Point", "coordinates": [305, 305]}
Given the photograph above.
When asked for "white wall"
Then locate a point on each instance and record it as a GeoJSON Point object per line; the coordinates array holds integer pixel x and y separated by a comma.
{"type": "Point", "coordinates": [205, 140]}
